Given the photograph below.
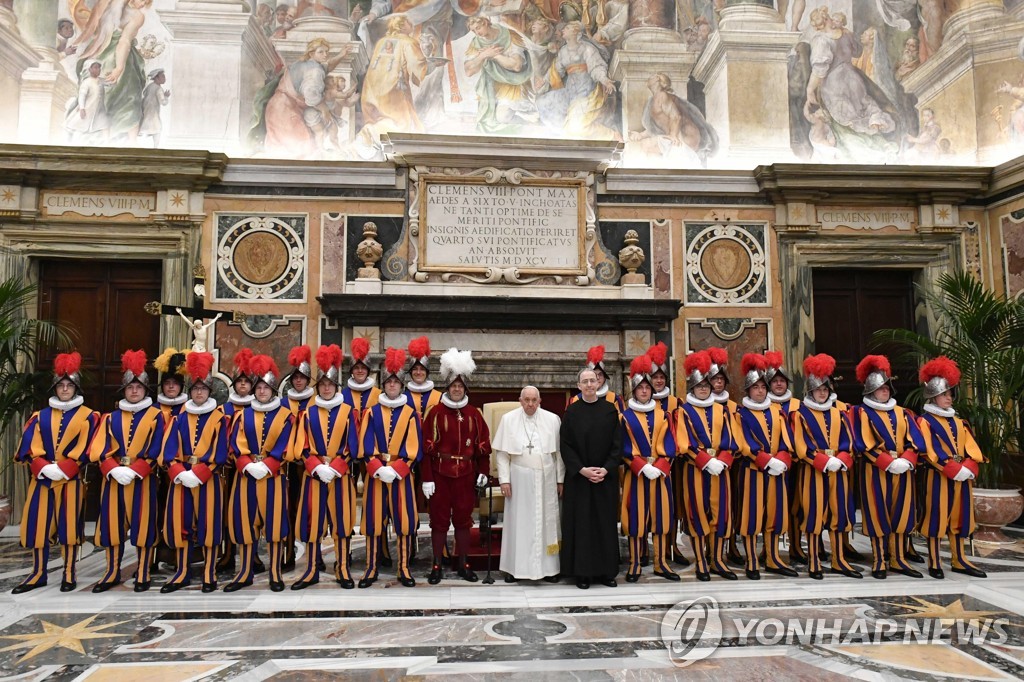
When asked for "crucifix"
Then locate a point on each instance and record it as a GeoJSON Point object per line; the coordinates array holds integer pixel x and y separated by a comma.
{"type": "Point", "coordinates": [197, 314]}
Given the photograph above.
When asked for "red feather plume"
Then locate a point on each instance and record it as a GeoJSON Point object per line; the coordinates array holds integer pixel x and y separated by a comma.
{"type": "Point", "coordinates": [595, 355]}
{"type": "Point", "coordinates": [699, 361]}
{"type": "Point", "coordinates": [719, 356]}
{"type": "Point", "coordinates": [419, 347]}
{"type": "Point", "coordinates": [67, 363]}
{"type": "Point", "coordinates": [640, 365]}
{"type": "Point", "coordinates": [872, 363]}
{"type": "Point", "coordinates": [198, 365]}
{"type": "Point", "coordinates": [753, 361]}
{"type": "Point", "coordinates": [774, 358]}
{"type": "Point", "coordinates": [242, 360]}
{"type": "Point", "coordinates": [329, 356]}
{"type": "Point", "coordinates": [360, 349]}
{"type": "Point", "coordinates": [262, 364]}
{"type": "Point", "coordinates": [394, 360]}
{"type": "Point", "coordinates": [658, 353]}
{"type": "Point", "coordinates": [820, 365]}
{"type": "Point", "coordinates": [299, 355]}
{"type": "Point", "coordinates": [133, 361]}
{"type": "Point", "coordinates": [940, 367]}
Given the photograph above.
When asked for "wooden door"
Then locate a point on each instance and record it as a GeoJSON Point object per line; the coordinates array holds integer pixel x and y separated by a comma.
{"type": "Point", "coordinates": [849, 306]}
{"type": "Point", "coordinates": [102, 302]}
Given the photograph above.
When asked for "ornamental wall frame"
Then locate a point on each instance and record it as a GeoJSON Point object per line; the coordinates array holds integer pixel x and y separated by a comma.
{"type": "Point", "coordinates": [761, 269]}
{"type": "Point", "coordinates": [298, 259]}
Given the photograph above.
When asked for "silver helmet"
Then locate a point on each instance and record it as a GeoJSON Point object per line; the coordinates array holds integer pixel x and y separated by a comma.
{"type": "Point", "coordinates": [698, 368]}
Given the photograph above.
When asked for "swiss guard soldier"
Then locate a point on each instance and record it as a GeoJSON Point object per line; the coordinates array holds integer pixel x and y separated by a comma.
{"type": "Point", "coordinates": [669, 403]}
{"type": "Point", "coordinates": [390, 437]}
{"type": "Point", "coordinates": [822, 439]}
{"type": "Point", "coordinates": [457, 449]}
{"type": "Point", "coordinates": [779, 385]}
{"type": "Point", "coordinates": [420, 389]}
{"type": "Point", "coordinates": [889, 442]}
{"type": "Point", "coordinates": [298, 397]}
{"type": "Point", "coordinates": [171, 397]}
{"type": "Point", "coordinates": [361, 391]}
{"type": "Point", "coordinates": [595, 361]}
{"type": "Point", "coordinates": [953, 458]}
{"type": "Point", "coordinates": [239, 397]}
{"type": "Point", "coordinates": [259, 500]}
{"type": "Point", "coordinates": [55, 445]}
{"type": "Point", "coordinates": [128, 446]}
{"type": "Point", "coordinates": [707, 426]}
{"type": "Point", "coordinates": [764, 439]}
{"type": "Point", "coordinates": [196, 448]}
{"type": "Point", "coordinates": [327, 445]}
{"type": "Point", "coordinates": [649, 447]}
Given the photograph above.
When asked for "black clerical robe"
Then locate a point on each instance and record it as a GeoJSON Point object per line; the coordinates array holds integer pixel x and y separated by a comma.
{"type": "Point", "coordinates": [590, 437]}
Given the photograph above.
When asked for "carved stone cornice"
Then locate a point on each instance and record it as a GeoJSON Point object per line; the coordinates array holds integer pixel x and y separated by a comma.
{"type": "Point", "coordinates": [53, 167]}
{"type": "Point", "coordinates": [416, 149]}
{"type": "Point", "coordinates": [875, 185]}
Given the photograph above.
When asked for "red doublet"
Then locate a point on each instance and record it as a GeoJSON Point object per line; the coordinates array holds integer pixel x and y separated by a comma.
{"type": "Point", "coordinates": [457, 448]}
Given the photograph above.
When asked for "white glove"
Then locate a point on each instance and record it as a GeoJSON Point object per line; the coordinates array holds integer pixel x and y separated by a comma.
{"type": "Point", "coordinates": [385, 474]}
{"type": "Point", "coordinates": [122, 475]}
{"type": "Point", "coordinates": [650, 471]}
{"type": "Point", "coordinates": [188, 479]}
{"type": "Point", "coordinates": [481, 480]}
{"type": "Point", "coordinates": [776, 467]}
{"type": "Point", "coordinates": [325, 473]}
{"type": "Point", "coordinates": [52, 472]}
{"type": "Point", "coordinates": [257, 470]}
{"type": "Point", "coordinates": [898, 466]}
{"type": "Point", "coordinates": [714, 467]}
{"type": "Point", "coordinates": [963, 475]}
{"type": "Point", "coordinates": [834, 464]}
{"type": "Point", "coordinates": [428, 490]}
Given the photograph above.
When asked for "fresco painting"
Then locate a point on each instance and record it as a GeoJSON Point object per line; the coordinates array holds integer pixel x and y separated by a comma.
{"type": "Point", "coordinates": [529, 68]}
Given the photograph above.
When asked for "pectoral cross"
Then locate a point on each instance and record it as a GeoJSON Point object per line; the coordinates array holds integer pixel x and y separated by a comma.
{"type": "Point", "coordinates": [529, 448]}
{"type": "Point", "coordinates": [197, 312]}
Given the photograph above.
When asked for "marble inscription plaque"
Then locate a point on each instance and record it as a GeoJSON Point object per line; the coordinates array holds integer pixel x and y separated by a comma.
{"type": "Point", "coordinates": [93, 204]}
{"type": "Point", "coordinates": [534, 227]}
{"type": "Point", "coordinates": [866, 219]}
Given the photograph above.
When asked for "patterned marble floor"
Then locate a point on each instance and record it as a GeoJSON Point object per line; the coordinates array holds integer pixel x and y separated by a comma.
{"type": "Point", "coordinates": [868, 629]}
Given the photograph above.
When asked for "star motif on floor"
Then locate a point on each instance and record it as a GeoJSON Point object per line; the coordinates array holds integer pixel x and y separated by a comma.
{"type": "Point", "coordinates": [954, 611]}
{"type": "Point", "coordinates": [70, 637]}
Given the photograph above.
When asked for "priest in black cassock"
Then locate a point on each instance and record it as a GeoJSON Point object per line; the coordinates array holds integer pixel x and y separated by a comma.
{"type": "Point", "coordinates": [591, 450]}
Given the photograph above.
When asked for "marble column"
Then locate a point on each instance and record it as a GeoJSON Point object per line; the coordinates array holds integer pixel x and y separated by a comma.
{"type": "Point", "coordinates": [957, 78]}
{"type": "Point", "coordinates": [742, 69]}
{"type": "Point", "coordinates": [44, 87]}
{"type": "Point", "coordinates": [219, 59]}
{"type": "Point", "coordinates": [337, 31]}
{"type": "Point", "coordinates": [651, 45]}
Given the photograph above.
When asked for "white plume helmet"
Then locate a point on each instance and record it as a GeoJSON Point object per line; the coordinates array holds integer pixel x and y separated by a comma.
{"type": "Point", "coordinates": [456, 364]}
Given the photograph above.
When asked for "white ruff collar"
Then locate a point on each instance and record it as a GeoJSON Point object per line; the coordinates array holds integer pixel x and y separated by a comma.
{"type": "Point", "coordinates": [641, 407]}
{"type": "Point", "coordinates": [300, 395]}
{"type": "Point", "coordinates": [722, 397]}
{"type": "Point", "coordinates": [164, 400]}
{"type": "Point", "coordinates": [426, 387]}
{"type": "Point", "coordinates": [784, 398]}
{"type": "Point", "coordinates": [932, 408]}
{"type": "Point", "coordinates": [760, 407]}
{"type": "Point", "coordinates": [241, 401]}
{"type": "Point", "coordinates": [603, 390]}
{"type": "Point", "coordinates": [663, 393]}
{"type": "Point", "coordinates": [881, 407]}
{"type": "Point", "coordinates": [266, 407]}
{"type": "Point", "coordinates": [135, 407]}
{"type": "Point", "coordinates": [65, 406]}
{"type": "Point", "coordinates": [209, 406]}
{"type": "Point", "coordinates": [329, 404]}
{"type": "Point", "coordinates": [384, 400]}
{"type": "Point", "coordinates": [356, 386]}
{"type": "Point", "coordinates": [448, 402]}
{"type": "Point", "coordinates": [820, 407]}
{"type": "Point", "coordinates": [697, 402]}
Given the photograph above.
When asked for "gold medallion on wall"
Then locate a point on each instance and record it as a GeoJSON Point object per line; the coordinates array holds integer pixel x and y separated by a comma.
{"type": "Point", "coordinates": [260, 257]}
{"type": "Point", "coordinates": [726, 264]}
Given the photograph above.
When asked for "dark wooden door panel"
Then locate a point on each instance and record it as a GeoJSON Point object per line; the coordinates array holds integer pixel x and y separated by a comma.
{"type": "Point", "coordinates": [849, 306]}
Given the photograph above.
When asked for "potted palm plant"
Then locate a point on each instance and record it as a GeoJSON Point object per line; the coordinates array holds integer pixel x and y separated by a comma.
{"type": "Point", "coordinates": [983, 332]}
{"type": "Point", "coordinates": [22, 386]}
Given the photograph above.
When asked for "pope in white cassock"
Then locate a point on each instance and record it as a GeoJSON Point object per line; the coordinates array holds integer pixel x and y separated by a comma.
{"type": "Point", "coordinates": [530, 472]}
